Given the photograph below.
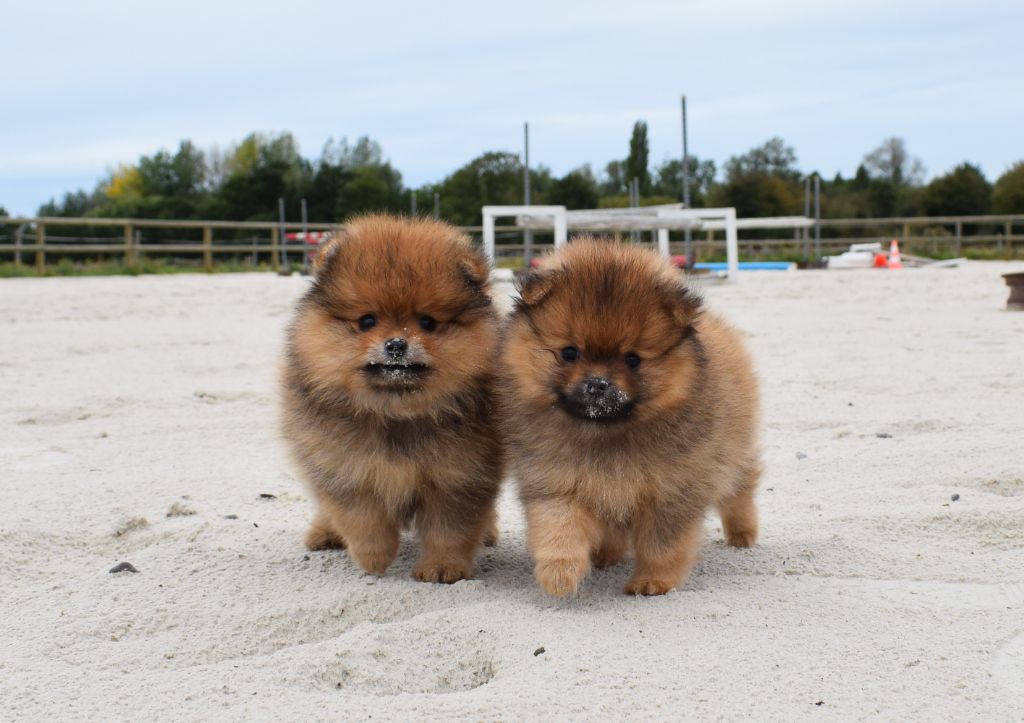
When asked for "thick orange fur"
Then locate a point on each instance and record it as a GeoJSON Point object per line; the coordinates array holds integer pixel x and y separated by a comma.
{"type": "Point", "coordinates": [379, 457]}
{"type": "Point", "coordinates": [688, 441]}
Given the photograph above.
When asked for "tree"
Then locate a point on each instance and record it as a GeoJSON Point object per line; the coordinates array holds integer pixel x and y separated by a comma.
{"type": "Point", "coordinates": [669, 179]}
{"type": "Point", "coordinates": [182, 174]}
{"type": "Point", "coordinates": [74, 204]}
{"type": "Point", "coordinates": [494, 178]}
{"type": "Point", "coordinates": [762, 182]}
{"type": "Point", "coordinates": [1008, 194]}
{"type": "Point", "coordinates": [964, 191]}
{"type": "Point", "coordinates": [614, 180]}
{"type": "Point", "coordinates": [773, 158]}
{"type": "Point", "coordinates": [576, 189]}
{"type": "Point", "coordinates": [3, 211]}
{"type": "Point", "coordinates": [260, 170]}
{"type": "Point", "coordinates": [892, 161]}
{"type": "Point", "coordinates": [376, 187]}
{"type": "Point", "coordinates": [637, 160]}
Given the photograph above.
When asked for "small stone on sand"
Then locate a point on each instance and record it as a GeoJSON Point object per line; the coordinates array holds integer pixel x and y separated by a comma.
{"type": "Point", "coordinates": [123, 567]}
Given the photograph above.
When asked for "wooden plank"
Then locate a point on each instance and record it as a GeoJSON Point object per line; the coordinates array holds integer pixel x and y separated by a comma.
{"type": "Point", "coordinates": [40, 249]}
{"type": "Point", "coordinates": [208, 248]}
{"type": "Point", "coordinates": [129, 240]}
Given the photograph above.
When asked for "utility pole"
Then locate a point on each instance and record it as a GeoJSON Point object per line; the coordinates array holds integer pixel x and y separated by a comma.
{"type": "Point", "coordinates": [527, 233]}
{"type": "Point", "coordinates": [305, 239]}
{"type": "Point", "coordinates": [688, 247]}
{"type": "Point", "coordinates": [282, 240]}
{"type": "Point", "coordinates": [817, 219]}
{"type": "Point", "coordinates": [437, 205]}
{"type": "Point", "coordinates": [634, 202]}
{"type": "Point", "coordinates": [807, 214]}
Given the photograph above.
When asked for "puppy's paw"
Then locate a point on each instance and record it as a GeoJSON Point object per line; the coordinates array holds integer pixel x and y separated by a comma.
{"type": "Point", "coordinates": [372, 561]}
{"type": "Point", "coordinates": [440, 571]}
{"type": "Point", "coordinates": [560, 577]}
{"type": "Point", "coordinates": [741, 538]}
{"type": "Point", "coordinates": [320, 537]}
{"type": "Point", "coordinates": [648, 586]}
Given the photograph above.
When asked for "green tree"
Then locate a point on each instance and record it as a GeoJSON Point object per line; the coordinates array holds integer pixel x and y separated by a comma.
{"type": "Point", "coordinates": [74, 204]}
{"type": "Point", "coordinates": [638, 159]}
{"type": "Point", "coordinates": [576, 189]}
{"type": "Point", "coordinates": [260, 170]}
{"type": "Point", "coordinates": [614, 181]}
{"type": "Point", "coordinates": [773, 158]}
{"type": "Point", "coordinates": [964, 191]}
{"type": "Point", "coordinates": [669, 179]}
{"type": "Point", "coordinates": [494, 178]}
{"type": "Point", "coordinates": [764, 181]}
{"type": "Point", "coordinates": [370, 188]}
{"type": "Point", "coordinates": [350, 179]}
{"type": "Point", "coordinates": [1008, 194]}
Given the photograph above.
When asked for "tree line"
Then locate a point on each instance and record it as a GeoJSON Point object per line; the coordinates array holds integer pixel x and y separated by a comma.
{"type": "Point", "coordinates": [245, 181]}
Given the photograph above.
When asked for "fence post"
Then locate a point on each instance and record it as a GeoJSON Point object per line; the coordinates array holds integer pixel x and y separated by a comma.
{"type": "Point", "coordinates": [906, 235]}
{"type": "Point", "coordinates": [40, 249]}
{"type": "Point", "coordinates": [208, 248]}
{"type": "Point", "coordinates": [959, 233]}
{"type": "Point", "coordinates": [275, 262]}
{"type": "Point", "coordinates": [129, 255]}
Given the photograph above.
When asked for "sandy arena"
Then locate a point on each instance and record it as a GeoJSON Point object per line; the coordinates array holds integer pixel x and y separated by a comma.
{"type": "Point", "coordinates": [138, 423]}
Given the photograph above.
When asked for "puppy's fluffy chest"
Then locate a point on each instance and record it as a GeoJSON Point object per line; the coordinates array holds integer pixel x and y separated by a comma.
{"type": "Point", "coordinates": [396, 457]}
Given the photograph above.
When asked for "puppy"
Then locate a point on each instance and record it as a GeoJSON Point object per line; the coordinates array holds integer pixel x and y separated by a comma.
{"type": "Point", "coordinates": [629, 412]}
{"type": "Point", "coordinates": [388, 396]}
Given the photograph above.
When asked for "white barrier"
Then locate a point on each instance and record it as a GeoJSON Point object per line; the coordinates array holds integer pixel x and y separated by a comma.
{"type": "Point", "coordinates": [555, 213]}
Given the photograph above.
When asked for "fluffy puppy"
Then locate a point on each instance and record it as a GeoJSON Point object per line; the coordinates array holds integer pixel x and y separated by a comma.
{"type": "Point", "coordinates": [388, 392]}
{"type": "Point", "coordinates": [629, 412]}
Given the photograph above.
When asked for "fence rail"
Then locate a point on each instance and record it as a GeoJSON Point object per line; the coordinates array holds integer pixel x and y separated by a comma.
{"type": "Point", "coordinates": [34, 236]}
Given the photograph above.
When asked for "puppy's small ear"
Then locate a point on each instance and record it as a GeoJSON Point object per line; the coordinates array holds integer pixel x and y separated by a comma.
{"type": "Point", "coordinates": [329, 249]}
{"type": "Point", "coordinates": [475, 271]}
{"type": "Point", "coordinates": [534, 285]}
{"type": "Point", "coordinates": [683, 303]}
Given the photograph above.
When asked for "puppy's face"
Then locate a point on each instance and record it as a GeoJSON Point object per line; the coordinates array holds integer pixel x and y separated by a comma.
{"type": "Point", "coordinates": [604, 334]}
{"type": "Point", "coordinates": [399, 317]}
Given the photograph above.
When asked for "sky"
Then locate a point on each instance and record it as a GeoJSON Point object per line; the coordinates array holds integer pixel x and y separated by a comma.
{"type": "Point", "coordinates": [91, 85]}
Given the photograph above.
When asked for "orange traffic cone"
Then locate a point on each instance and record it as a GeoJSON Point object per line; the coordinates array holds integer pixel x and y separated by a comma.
{"type": "Point", "coordinates": [894, 255]}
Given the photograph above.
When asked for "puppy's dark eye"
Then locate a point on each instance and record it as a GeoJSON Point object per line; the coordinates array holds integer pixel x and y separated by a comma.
{"type": "Point", "coordinates": [570, 353]}
{"type": "Point", "coordinates": [367, 321]}
{"type": "Point", "coordinates": [632, 360]}
{"type": "Point", "coordinates": [428, 323]}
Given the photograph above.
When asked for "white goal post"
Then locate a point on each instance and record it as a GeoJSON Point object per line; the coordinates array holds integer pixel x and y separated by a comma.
{"type": "Point", "coordinates": [724, 216]}
{"type": "Point", "coordinates": [660, 218]}
{"type": "Point", "coordinates": [555, 213]}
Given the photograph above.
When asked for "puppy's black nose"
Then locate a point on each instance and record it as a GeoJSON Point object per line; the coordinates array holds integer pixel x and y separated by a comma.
{"type": "Point", "coordinates": [595, 386]}
{"type": "Point", "coordinates": [396, 347]}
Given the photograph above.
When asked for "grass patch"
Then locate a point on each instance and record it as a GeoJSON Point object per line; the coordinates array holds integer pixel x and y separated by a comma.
{"type": "Point", "coordinates": [68, 267]}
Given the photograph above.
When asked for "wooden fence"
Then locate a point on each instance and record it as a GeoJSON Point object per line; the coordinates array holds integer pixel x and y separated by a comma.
{"type": "Point", "coordinates": [40, 237]}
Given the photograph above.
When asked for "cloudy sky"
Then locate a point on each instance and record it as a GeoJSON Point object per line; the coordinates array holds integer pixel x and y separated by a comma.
{"type": "Point", "coordinates": [88, 85]}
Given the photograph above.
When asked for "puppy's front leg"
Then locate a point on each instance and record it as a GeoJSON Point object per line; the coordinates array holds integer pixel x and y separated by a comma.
{"type": "Point", "coordinates": [560, 535]}
{"type": "Point", "coordinates": [370, 533]}
{"type": "Point", "coordinates": [665, 553]}
{"type": "Point", "coordinates": [450, 532]}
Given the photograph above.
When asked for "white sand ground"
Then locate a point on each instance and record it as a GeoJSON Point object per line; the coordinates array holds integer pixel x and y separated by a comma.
{"type": "Point", "coordinates": [872, 595]}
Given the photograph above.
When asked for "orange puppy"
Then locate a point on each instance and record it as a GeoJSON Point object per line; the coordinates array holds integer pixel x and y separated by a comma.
{"type": "Point", "coordinates": [388, 396]}
{"type": "Point", "coordinates": [629, 411]}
